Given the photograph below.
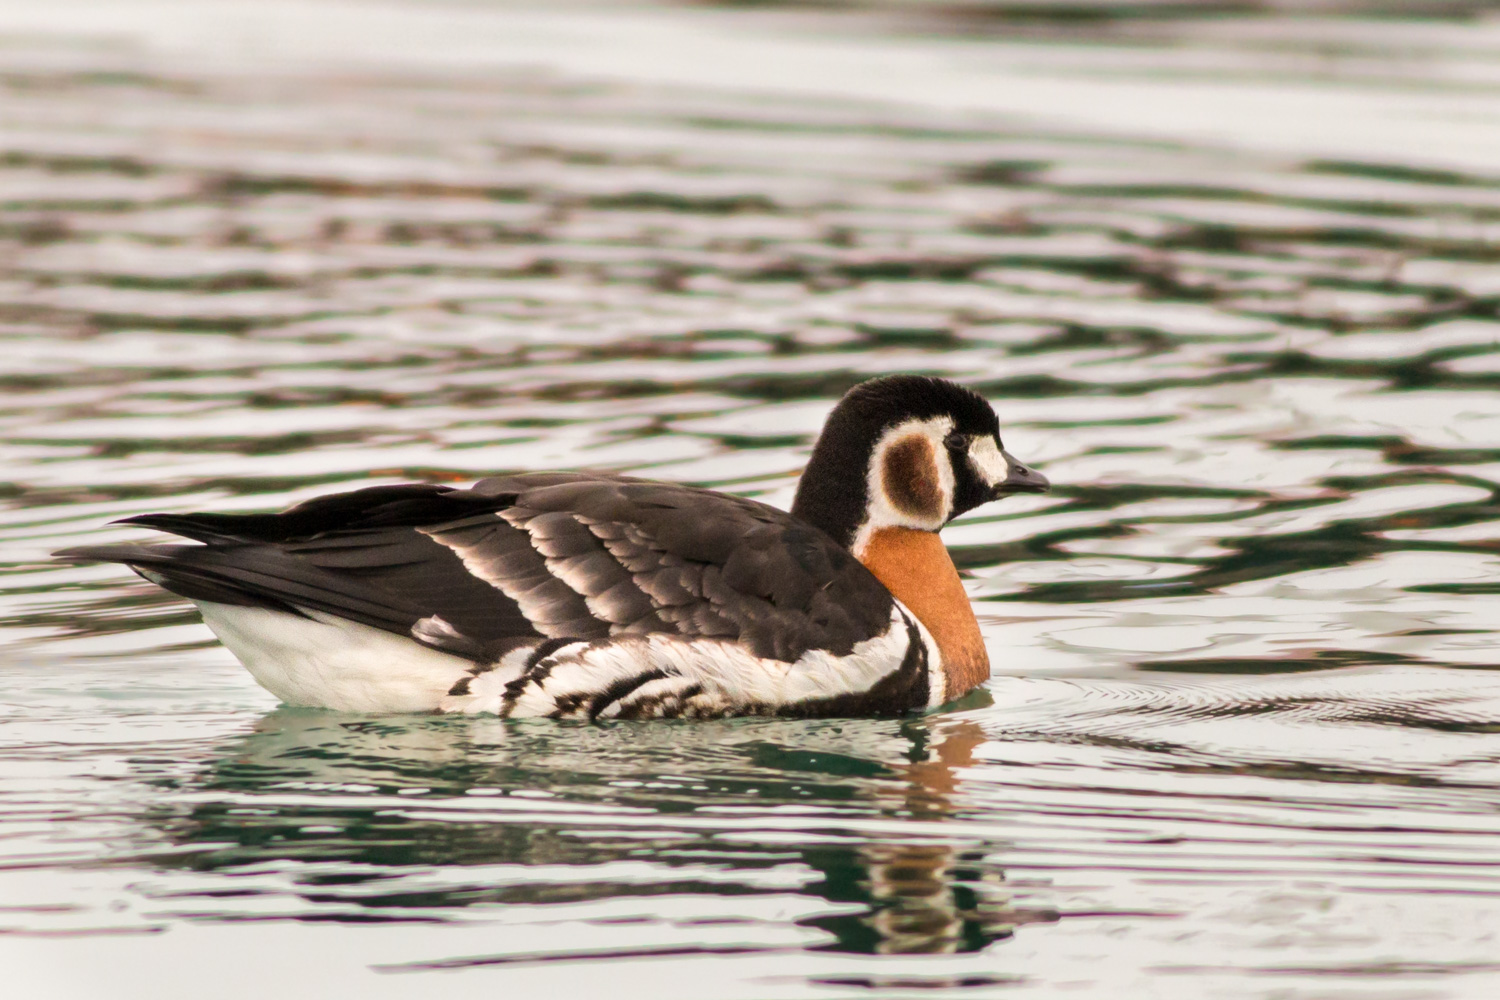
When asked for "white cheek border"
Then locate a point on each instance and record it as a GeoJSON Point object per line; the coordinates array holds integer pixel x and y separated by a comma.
{"type": "Point", "coordinates": [881, 513]}
{"type": "Point", "coordinates": [989, 461]}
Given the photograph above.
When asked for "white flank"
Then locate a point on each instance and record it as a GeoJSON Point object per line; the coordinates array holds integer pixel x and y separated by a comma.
{"type": "Point", "coordinates": [486, 689]}
{"type": "Point", "coordinates": [731, 678]}
{"type": "Point", "coordinates": [937, 677]}
{"type": "Point", "coordinates": [662, 692]}
{"type": "Point", "coordinates": [328, 662]}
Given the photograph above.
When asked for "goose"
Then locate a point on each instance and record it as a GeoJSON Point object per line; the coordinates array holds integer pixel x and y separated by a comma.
{"type": "Point", "coordinates": [585, 595]}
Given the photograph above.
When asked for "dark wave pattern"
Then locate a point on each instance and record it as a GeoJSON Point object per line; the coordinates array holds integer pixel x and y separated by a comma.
{"type": "Point", "coordinates": [1244, 738]}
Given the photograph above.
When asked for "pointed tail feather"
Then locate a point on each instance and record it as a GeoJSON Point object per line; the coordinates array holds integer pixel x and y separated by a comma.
{"type": "Point", "coordinates": [257, 576]}
{"type": "Point", "coordinates": [211, 527]}
{"type": "Point", "coordinates": [128, 554]}
{"type": "Point", "coordinates": [164, 566]}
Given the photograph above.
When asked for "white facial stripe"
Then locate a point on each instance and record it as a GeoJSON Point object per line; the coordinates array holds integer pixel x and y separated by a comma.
{"type": "Point", "coordinates": [988, 461]}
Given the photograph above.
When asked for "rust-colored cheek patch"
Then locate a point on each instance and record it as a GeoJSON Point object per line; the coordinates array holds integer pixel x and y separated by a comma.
{"type": "Point", "coordinates": [916, 569]}
{"type": "Point", "coordinates": [909, 476]}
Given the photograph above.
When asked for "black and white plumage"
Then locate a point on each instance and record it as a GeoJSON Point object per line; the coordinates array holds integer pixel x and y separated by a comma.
{"type": "Point", "coordinates": [583, 595]}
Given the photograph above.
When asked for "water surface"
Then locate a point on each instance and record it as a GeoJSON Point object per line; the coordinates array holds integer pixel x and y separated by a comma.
{"type": "Point", "coordinates": [1244, 734]}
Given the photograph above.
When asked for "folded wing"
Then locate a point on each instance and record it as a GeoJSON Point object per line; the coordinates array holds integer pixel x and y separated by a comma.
{"type": "Point", "coordinates": [521, 558]}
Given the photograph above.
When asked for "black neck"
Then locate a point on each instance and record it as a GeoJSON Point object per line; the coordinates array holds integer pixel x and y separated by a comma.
{"type": "Point", "coordinates": [831, 494]}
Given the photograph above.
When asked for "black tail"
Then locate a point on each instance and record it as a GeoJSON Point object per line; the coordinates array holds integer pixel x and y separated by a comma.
{"type": "Point", "coordinates": [406, 504]}
{"type": "Point", "coordinates": [175, 568]}
{"type": "Point", "coordinates": [358, 555]}
{"type": "Point", "coordinates": [127, 554]}
{"type": "Point", "coordinates": [244, 558]}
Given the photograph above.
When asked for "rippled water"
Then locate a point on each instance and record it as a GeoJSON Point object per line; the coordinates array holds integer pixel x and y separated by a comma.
{"type": "Point", "coordinates": [1244, 735]}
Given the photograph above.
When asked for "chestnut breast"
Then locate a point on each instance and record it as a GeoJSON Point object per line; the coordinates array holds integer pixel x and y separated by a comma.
{"type": "Point", "coordinates": [916, 568]}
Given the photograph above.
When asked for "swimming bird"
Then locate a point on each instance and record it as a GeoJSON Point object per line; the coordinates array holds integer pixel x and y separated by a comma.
{"type": "Point", "coordinates": [596, 596]}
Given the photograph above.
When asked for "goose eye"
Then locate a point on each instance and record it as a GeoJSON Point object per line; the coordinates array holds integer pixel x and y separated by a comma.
{"type": "Point", "coordinates": [955, 442]}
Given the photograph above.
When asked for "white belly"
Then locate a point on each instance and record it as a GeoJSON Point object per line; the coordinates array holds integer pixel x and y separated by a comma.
{"type": "Point", "coordinates": [327, 662]}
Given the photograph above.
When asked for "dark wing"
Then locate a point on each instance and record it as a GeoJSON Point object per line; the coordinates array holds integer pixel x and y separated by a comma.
{"type": "Point", "coordinates": [518, 558]}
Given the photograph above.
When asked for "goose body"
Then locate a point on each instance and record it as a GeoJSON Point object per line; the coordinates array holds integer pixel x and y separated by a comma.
{"type": "Point", "coordinates": [593, 596]}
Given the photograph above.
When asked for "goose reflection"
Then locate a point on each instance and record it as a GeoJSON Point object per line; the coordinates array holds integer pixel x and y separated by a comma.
{"type": "Point", "coordinates": [924, 895]}
{"type": "Point", "coordinates": [863, 817]}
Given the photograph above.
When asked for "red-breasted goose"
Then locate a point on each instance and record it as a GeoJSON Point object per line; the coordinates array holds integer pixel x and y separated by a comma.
{"type": "Point", "coordinates": [585, 595]}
